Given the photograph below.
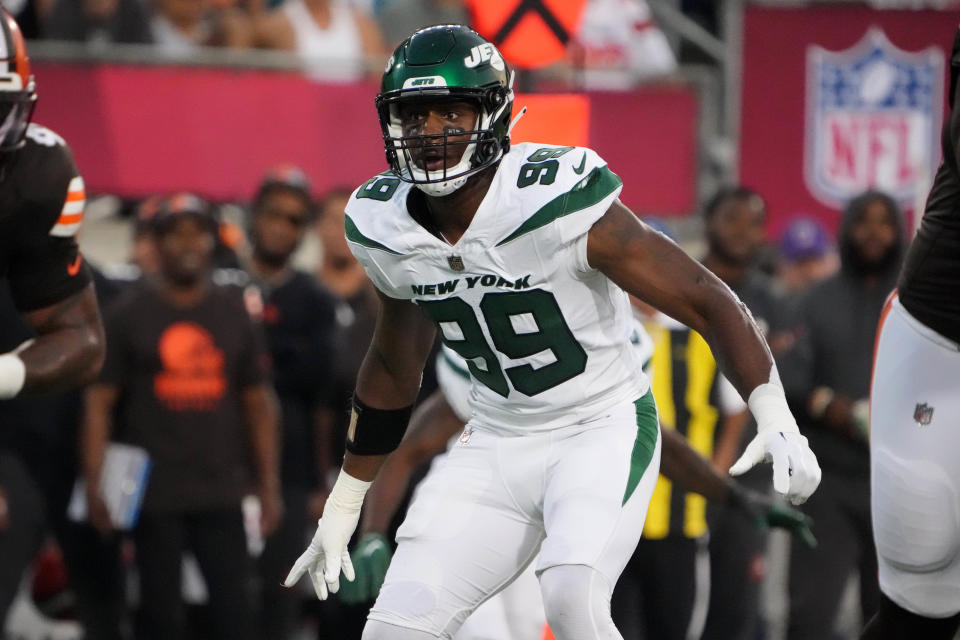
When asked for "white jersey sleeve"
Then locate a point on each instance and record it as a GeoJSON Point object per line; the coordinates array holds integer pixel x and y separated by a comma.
{"type": "Point", "coordinates": [569, 191]}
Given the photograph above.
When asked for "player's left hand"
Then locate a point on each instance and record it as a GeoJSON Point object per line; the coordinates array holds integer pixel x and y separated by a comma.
{"type": "Point", "coordinates": [371, 557]}
{"type": "Point", "coordinates": [327, 554]}
{"type": "Point", "coordinates": [768, 512]}
{"type": "Point", "coordinates": [796, 473]}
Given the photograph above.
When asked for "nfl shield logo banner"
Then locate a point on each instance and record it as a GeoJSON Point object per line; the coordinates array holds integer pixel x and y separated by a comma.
{"type": "Point", "coordinates": [873, 120]}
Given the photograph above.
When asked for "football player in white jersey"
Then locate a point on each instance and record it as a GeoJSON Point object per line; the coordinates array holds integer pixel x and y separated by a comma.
{"type": "Point", "coordinates": [522, 257]}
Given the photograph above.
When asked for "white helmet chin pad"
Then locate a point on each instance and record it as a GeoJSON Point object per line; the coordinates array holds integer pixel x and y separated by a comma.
{"type": "Point", "coordinates": [459, 173]}
{"type": "Point", "coordinates": [438, 189]}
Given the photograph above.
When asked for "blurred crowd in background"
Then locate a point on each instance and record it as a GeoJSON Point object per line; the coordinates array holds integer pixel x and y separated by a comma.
{"type": "Point", "coordinates": [337, 40]}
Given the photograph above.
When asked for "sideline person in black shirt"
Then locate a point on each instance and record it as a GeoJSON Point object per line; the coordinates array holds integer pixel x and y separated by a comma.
{"type": "Point", "coordinates": [734, 221]}
{"type": "Point", "coordinates": [828, 381]}
{"type": "Point", "coordinates": [186, 370]}
{"type": "Point", "coordinates": [298, 319]}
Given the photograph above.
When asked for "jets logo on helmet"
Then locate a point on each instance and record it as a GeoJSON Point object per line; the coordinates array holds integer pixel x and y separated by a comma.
{"type": "Point", "coordinates": [17, 88]}
{"type": "Point", "coordinates": [446, 62]}
{"type": "Point", "coordinates": [484, 53]}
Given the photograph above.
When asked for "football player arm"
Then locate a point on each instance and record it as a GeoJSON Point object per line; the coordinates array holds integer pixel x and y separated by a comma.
{"type": "Point", "coordinates": [389, 376]}
{"type": "Point", "coordinates": [68, 350]}
{"type": "Point", "coordinates": [261, 412]}
{"type": "Point", "coordinates": [648, 265]}
{"type": "Point", "coordinates": [100, 401]}
{"type": "Point", "coordinates": [387, 385]}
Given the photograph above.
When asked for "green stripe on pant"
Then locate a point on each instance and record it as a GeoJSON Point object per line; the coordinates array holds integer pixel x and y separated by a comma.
{"type": "Point", "coordinates": [643, 447]}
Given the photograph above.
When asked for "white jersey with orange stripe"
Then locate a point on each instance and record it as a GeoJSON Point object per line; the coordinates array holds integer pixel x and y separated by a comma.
{"type": "Point", "coordinates": [42, 199]}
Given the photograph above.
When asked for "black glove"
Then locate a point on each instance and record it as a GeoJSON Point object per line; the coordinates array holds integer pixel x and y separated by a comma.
{"type": "Point", "coordinates": [768, 512]}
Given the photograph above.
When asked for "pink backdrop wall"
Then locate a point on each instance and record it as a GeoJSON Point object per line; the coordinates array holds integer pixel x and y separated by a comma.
{"type": "Point", "coordinates": [142, 130]}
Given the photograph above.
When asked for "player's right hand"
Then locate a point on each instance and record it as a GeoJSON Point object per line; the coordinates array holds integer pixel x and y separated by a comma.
{"type": "Point", "coordinates": [796, 472]}
{"type": "Point", "coordinates": [327, 554]}
{"type": "Point", "coordinates": [371, 557]}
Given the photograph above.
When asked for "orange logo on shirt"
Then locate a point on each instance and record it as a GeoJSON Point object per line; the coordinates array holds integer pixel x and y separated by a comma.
{"type": "Point", "coordinates": [193, 377]}
{"type": "Point", "coordinates": [74, 267]}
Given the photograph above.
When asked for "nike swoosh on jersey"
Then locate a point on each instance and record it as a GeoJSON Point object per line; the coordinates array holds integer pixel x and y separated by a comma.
{"type": "Point", "coordinates": [583, 163]}
{"type": "Point", "coordinates": [74, 267]}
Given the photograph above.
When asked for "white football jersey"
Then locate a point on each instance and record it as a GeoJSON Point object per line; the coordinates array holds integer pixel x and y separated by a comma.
{"type": "Point", "coordinates": [545, 336]}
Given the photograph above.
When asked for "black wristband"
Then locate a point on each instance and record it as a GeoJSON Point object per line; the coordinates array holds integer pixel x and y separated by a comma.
{"type": "Point", "coordinates": [375, 432]}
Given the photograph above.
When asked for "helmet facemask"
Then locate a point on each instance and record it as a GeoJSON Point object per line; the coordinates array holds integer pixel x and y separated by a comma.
{"type": "Point", "coordinates": [18, 93]}
{"type": "Point", "coordinates": [482, 146]}
{"type": "Point", "coordinates": [16, 110]}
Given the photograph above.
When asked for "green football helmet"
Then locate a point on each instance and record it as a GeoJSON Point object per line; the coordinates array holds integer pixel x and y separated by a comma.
{"type": "Point", "coordinates": [446, 62]}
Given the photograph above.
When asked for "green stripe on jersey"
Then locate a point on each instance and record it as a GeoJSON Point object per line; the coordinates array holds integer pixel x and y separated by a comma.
{"type": "Point", "coordinates": [647, 431]}
{"type": "Point", "coordinates": [456, 366]}
{"type": "Point", "coordinates": [354, 235]}
{"type": "Point", "coordinates": [596, 186]}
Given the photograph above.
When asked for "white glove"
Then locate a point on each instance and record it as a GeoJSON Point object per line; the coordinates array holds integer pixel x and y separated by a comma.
{"type": "Point", "coordinates": [327, 554]}
{"type": "Point", "coordinates": [796, 473]}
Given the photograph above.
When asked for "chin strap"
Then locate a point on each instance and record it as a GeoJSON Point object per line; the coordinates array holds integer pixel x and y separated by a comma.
{"type": "Point", "coordinates": [516, 119]}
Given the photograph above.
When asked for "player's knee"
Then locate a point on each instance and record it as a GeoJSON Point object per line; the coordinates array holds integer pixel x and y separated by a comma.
{"type": "Point", "coordinates": [576, 600]}
{"type": "Point", "coordinates": [927, 539]}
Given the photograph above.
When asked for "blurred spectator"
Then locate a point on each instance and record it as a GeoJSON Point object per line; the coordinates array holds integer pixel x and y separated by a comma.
{"type": "Point", "coordinates": [180, 26]}
{"type": "Point", "coordinates": [99, 21]}
{"type": "Point", "coordinates": [618, 43]}
{"type": "Point", "coordinates": [333, 39]}
{"type": "Point", "coordinates": [806, 255]}
{"type": "Point", "coordinates": [185, 373]}
{"type": "Point", "coordinates": [734, 224]}
{"type": "Point", "coordinates": [345, 277]}
{"type": "Point", "coordinates": [143, 246]}
{"type": "Point", "coordinates": [827, 377]}
{"type": "Point", "coordinates": [400, 18]}
{"type": "Point", "coordinates": [298, 317]}
{"type": "Point", "coordinates": [356, 314]}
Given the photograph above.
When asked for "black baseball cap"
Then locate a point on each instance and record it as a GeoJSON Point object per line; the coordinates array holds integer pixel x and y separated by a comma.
{"type": "Point", "coordinates": [285, 176]}
{"type": "Point", "coordinates": [179, 206]}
